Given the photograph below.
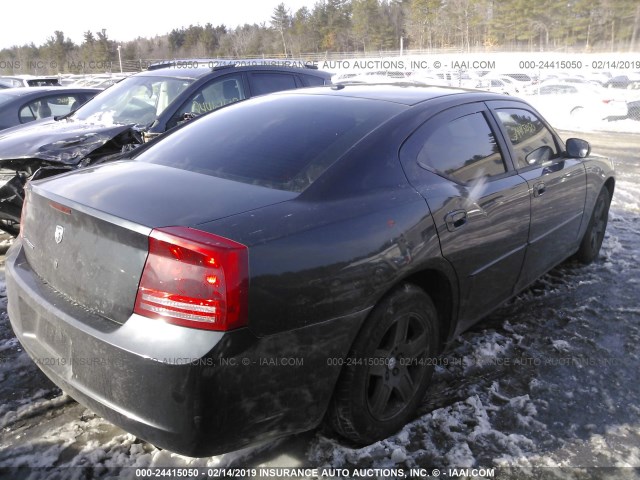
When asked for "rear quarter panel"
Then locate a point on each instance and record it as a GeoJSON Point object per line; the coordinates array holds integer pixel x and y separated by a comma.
{"type": "Point", "coordinates": [312, 262]}
{"type": "Point", "coordinates": [342, 244]}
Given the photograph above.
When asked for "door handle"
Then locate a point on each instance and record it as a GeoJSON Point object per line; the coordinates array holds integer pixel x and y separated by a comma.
{"type": "Point", "coordinates": [538, 189]}
{"type": "Point", "coordinates": [455, 219]}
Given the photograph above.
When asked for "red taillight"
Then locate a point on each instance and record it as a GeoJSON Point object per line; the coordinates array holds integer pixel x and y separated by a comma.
{"type": "Point", "coordinates": [195, 279]}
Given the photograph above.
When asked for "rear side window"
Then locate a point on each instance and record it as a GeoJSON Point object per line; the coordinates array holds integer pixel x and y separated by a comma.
{"type": "Point", "coordinates": [313, 81]}
{"type": "Point", "coordinates": [463, 149]}
{"type": "Point", "coordinates": [278, 142]}
{"type": "Point", "coordinates": [263, 83]}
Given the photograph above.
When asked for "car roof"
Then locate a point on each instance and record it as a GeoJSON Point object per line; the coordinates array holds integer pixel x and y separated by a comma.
{"type": "Point", "coordinates": [203, 69]}
{"type": "Point", "coordinates": [402, 93]}
{"type": "Point", "coordinates": [22, 91]}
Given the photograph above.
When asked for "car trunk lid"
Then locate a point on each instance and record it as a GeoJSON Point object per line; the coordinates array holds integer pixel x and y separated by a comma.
{"type": "Point", "coordinates": [87, 236]}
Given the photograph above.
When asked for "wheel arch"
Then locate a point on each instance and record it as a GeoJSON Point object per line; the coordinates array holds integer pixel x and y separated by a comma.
{"type": "Point", "coordinates": [440, 288]}
{"type": "Point", "coordinates": [440, 283]}
{"type": "Point", "coordinates": [610, 184]}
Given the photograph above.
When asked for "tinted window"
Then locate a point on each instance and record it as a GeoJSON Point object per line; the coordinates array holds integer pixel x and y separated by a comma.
{"type": "Point", "coordinates": [528, 134]}
{"type": "Point", "coordinates": [43, 82]}
{"type": "Point", "coordinates": [314, 81]}
{"type": "Point", "coordinates": [282, 142]}
{"type": "Point", "coordinates": [464, 148]}
{"type": "Point", "coordinates": [211, 96]}
{"type": "Point", "coordinates": [52, 106]}
{"type": "Point", "coordinates": [263, 83]}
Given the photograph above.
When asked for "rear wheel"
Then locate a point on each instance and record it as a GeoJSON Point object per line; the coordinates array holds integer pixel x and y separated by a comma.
{"type": "Point", "coordinates": [592, 240]}
{"type": "Point", "coordinates": [389, 367]}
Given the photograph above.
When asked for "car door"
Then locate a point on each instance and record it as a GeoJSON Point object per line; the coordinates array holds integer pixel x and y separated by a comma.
{"type": "Point", "coordinates": [557, 187]}
{"type": "Point", "coordinates": [478, 202]}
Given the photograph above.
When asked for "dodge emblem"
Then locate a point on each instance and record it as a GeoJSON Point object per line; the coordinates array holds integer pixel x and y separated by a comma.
{"type": "Point", "coordinates": [59, 233]}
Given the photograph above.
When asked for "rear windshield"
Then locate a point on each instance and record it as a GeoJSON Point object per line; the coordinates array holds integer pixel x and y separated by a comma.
{"type": "Point", "coordinates": [281, 142]}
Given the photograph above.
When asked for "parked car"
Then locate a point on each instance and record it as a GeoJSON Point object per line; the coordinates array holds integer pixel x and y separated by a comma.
{"type": "Point", "coordinates": [630, 81]}
{"type": "Point", "coordinates": [138, 108]}
{"type": "Point", "coordinates": [29, 81]}
{"type": "Point", "coordinates": [522, 79]}
{"type": "Point", "coordinates": [295, 257]}
{"type": "Point", "coordinates": [576, 80]}
{"type": "Point", "coordinates": [580, 102]}
{"type": "Point", "coordinates": [23, 105]}
{"type": "Point", "coordinates": [599, 77]}
{"type": "Point", "coordinates": [497, 85]}
{"type": "Point", "coordinates": [633, 110]}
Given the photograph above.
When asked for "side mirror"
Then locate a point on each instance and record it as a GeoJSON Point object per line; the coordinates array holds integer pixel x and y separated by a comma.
{"type": "Point", "coordinates": [539, 155]}
{"type": "Point", "coordinates": [578, 148]}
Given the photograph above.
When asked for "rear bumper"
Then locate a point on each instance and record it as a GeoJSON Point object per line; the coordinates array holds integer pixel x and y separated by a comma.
{"type": "Point", "coordinates": [194, 392]}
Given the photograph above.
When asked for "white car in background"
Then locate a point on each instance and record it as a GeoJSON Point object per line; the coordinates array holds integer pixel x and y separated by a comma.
{"type": "Point", "coordinates": [457, 78]}
{"type": "Point", "coordinates": [579, 102]}
{"type": "Point", "coordinates": [498, 85]}
{"type": "Point", "coordinates": [29, 81]}
{"type": "Point", "coordinates": [522, 80]}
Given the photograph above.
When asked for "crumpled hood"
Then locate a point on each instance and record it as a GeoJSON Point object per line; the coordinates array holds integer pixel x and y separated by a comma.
{"type": "Point", "coordinates": [64, 141]}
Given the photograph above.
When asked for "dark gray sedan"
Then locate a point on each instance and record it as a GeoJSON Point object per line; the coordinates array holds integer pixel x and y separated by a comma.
{"type": "Point", "coordinates": [27, 104]}
{"type": "Point", "coordinates": [298, 257]}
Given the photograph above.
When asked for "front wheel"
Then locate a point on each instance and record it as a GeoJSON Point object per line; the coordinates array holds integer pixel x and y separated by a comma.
{"type": "Point", "coordinates": [592, 240]}
{"type": "Point", "coordinates": [389, 368]}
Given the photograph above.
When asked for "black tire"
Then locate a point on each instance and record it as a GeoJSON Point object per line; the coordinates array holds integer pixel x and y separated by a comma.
{"type": "Point", "coordinates": [593, 236]}
{"type": "Point", "coordinates": [390, 368]}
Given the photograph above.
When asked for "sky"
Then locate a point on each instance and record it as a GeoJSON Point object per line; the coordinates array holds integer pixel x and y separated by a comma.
{"type": "Point", "coordinates": [35, 21]}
